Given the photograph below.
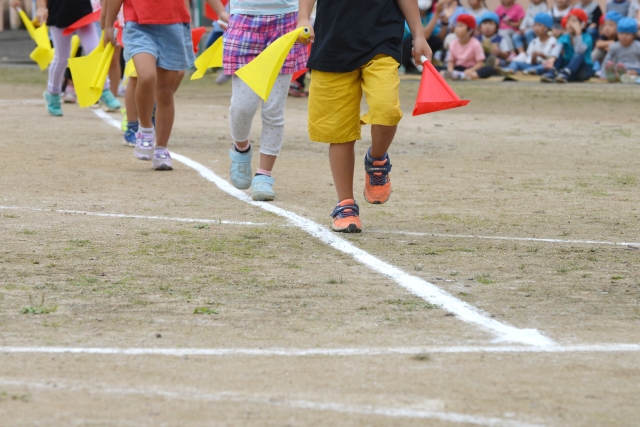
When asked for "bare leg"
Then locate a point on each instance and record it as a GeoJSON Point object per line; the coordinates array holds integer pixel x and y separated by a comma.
{"type": "Point", "coordinates": [342, 161]}
{"type": "Point", "coordinates": [381, 137]}
{"type": "Point", "coordinates": [115, 71]}
{"type": "Point", "coordinates": [165, 111]}
{"type": "Point", "coordinates": [146, 87]}
{"type": "Point", "coordinates": [130, 100]}
{"type": "Point", "coordinates": [267, 161]}
{"type": "Point", "coordinates": [179, 79]}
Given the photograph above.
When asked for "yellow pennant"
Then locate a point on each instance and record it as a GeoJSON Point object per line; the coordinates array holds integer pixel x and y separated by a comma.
{"type": "Point", "coordinates": [75, 45]}
{"type": "Point", "coordinates": [261, 73]}
{"type": "Point", "coordinates": [90, 74]}
{"type": "Point", "coordinates": [130, 69]}
{"type": "Point", "coordinates": [210, 58]}
{"type": "Point", "coordinates": [28, 24]}
{"type": "Point", "coordinates": [43, 53]}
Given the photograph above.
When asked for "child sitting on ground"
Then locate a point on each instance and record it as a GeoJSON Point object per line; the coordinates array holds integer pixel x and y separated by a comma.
{"type": "Point", "coordinates": [622, 62]}
{"type": "Point", "coordinates": [497, 47]}
{"type": "Point", "coordinates": [466, 56]}
{"type": "Point", "coordinates": [477, 8]}
{"type": "Point", "coordinates": [620, 6]}
{"type": "Point", "coordinates": [525, 35]}
{"type": "Point", "coordinates": [538, 50]}
{"type": "Point", "coordinates": [559, 11]}
{"type": "Point", "coordinates": [511, 15]}
{"type": "Point", "coordinates": [572, 54]}
{"type": "Point", "coordinates": [594, 13]}
{"type": "Point", "coordinates": [608, 36]}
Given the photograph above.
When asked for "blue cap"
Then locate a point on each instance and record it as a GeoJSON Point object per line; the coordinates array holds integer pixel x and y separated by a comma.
{"type": "Point", "coordinates": [544, 19]}
{"type": "Point", "coordinates": [627, 25]}
{"type": "Point", "coordinates": [613, 16]}
{"type": "Point", "coordinates": [489, 16]}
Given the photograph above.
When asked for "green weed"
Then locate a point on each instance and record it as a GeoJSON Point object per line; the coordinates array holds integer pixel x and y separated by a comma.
{"type": "Point", "coordinates": [204, 310]}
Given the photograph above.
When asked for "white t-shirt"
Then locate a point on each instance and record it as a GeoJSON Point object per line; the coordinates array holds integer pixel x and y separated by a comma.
{"type": "Point", "coordinates": [537, 45]}
{"type": "Point", "coordinates": [263, 7]}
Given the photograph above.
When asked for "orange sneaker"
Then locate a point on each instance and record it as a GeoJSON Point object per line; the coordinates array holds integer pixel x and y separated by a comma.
{"type": "Point", "coordinates": [345, 217]}
{"type": "Point", "coordinates": [377, 185]}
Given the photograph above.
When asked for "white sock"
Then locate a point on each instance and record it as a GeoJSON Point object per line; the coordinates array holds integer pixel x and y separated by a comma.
{"type": "Point", "coordinates": [158, 148]}
{"type": "Point", "coordinates": [146, 130]}
{"type": "Point", "coordinates": [458, 74]}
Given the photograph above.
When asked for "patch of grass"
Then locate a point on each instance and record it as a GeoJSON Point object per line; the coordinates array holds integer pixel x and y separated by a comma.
{"type": "Point", "coordinates": [562, 270]}
{"type": "Point", "coordinates": [80, 243]}
{"type": "Point", "coordinates": [335, 282]}
{"type": "Point", "coordinates": [201, 226]}
{"type": "Point", "coordinates": [409, 305]}
{"type": "Point", "coordinates": [28, 232]}
{"type": "Point", "coordinates": [485, 279]}
{"type": "Point", "coordinates": [39, 309]}
{"type": "Point", "coordinates": [84, 281]}
{"type": "Point", "coordinates": [625, 180]}
{"type": "Point", "coordinates": [204, 310]}
{"type": "Point", "coordinates": [10, 216]}
{"type": "Point", "coordinates": [463, 294]}
{"type": "Point", "coordinates": [24, 397]}
{"type": "Point", "coordinates": [617, 277]}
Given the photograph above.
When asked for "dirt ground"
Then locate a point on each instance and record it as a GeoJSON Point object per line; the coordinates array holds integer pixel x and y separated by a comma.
{"type": "Point", "coordinates": [521, 161]}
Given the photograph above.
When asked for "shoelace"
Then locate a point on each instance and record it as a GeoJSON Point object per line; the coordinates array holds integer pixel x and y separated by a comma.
{"type": "Point", "coordinates": [346, 213]}
{"type": "Point", "coordinates": [377, 180]}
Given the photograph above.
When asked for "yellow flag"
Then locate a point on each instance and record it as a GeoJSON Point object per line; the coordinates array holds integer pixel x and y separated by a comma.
{"type": "Point", "coordinates": [90, 74]}
{"type": "Point", "coordinates": [27, 22]}
{"type": "Point", "coordinates": [210, 58]}
{"type": "Point", "coordinates": [75, 45]}
{"type": "Point", "coordinates": [43, 53]}
{"type": "Point", "coordinates": [261, 73]}
{"type": "Point", "coordinates": [130, 69]}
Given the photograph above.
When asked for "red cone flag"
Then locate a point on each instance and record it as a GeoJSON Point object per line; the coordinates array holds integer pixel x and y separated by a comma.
{"type": "Point", "coordinates": [196, 35]}
{"type": "Point", "coordinates": [85, 20]}
{"type": "Point", "coordinates": [434, 93]}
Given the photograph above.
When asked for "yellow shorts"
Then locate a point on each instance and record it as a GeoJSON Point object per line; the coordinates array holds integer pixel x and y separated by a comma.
{"type": "Point", "coordinates": [334, 100]}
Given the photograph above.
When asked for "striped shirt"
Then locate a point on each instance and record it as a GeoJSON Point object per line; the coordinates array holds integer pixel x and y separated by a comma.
{"type": "Point", "coordinates": [263, 7]}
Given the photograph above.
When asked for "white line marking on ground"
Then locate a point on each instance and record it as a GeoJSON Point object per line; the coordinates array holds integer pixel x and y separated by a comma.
{"type": "Point", "coordinates": [111, 215]}
{"type": "Point", "coordinates": [275, 401]}
{"type": "Point", "coordinates": [299, 352]}
{"type": "Point", "coordinates": [426, 290]}
{"type": "Point", "coordinates": [523, 239]}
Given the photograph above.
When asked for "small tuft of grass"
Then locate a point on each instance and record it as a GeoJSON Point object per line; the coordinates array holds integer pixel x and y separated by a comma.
{"type": "Point", "coordinates": [204, 310]}
{"type": "Point", "coordinates": [421, 357]}
{"type": "Point", "coordinates": [28, 232]}
{"type": "Point", "coordinates": [485, 279]}
{"type": "Point", "coordinates": [617, 277]}
{"type": "Point", "coordinates": [10, 216]}
{"type": "Point", "coordinates": [463, 294]}
{"type": "Point", "coordinates": [39, 309]}
{"type": "Point", "coordinates": [84, 281]}
{"type": "Point", "coordinates": [80, 243]}
{"type": "Point", "coordinates": [335, 282]}
{"type": "Point", "coordinates": [201, 226]}
{"type": "Point", "coordinates": [562, 270]}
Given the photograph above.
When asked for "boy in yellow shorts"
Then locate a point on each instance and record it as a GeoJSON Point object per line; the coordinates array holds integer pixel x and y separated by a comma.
{"type": "Point", "coordinates": [357, 48]}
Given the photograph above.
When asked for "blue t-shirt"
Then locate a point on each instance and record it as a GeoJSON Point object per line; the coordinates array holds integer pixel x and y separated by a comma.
{"type": "Point", "coordinates": [567, 47]}
{"type": "Point", "coordinates": [425, 20]}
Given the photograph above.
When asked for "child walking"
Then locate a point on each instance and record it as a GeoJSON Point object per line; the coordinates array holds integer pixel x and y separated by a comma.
{"type": "Point", "coordinates": [357, 48]}
{"type": "Point", "coordinates": [252, 27]}
{"type": "Point", "coordinates": [159, 41]}
{"type": "Point", "coordinates": [59, 14]}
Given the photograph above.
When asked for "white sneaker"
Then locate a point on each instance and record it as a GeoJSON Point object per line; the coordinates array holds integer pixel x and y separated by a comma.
{"type": "Point", "coordinates": [144, 145]}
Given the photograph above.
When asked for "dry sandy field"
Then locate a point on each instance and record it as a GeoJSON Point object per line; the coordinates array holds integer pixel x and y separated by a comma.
{"type": "Point", "coordinates": [499, 286]}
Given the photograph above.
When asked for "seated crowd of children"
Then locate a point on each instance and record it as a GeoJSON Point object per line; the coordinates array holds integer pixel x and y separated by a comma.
{"type": "Point", "coordinates": [559, 43]}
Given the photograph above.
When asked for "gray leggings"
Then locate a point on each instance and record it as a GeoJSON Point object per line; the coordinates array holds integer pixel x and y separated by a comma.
{"type": "Point", "coordinates": [244, 104]}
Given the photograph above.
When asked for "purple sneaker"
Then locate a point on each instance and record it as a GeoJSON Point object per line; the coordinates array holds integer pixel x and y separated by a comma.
{"type": "Point", "coordinates": [162, 160]}
{"type": "Point", "coordinates": [144, 145]}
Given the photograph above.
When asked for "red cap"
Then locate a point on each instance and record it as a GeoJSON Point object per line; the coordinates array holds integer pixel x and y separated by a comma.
{"type": "Point", "coordinates": [564, 21]}
{"type": "Point", "coordinates": [467, 20]}
{"type": "Point", "coordinates": [580, 14]}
